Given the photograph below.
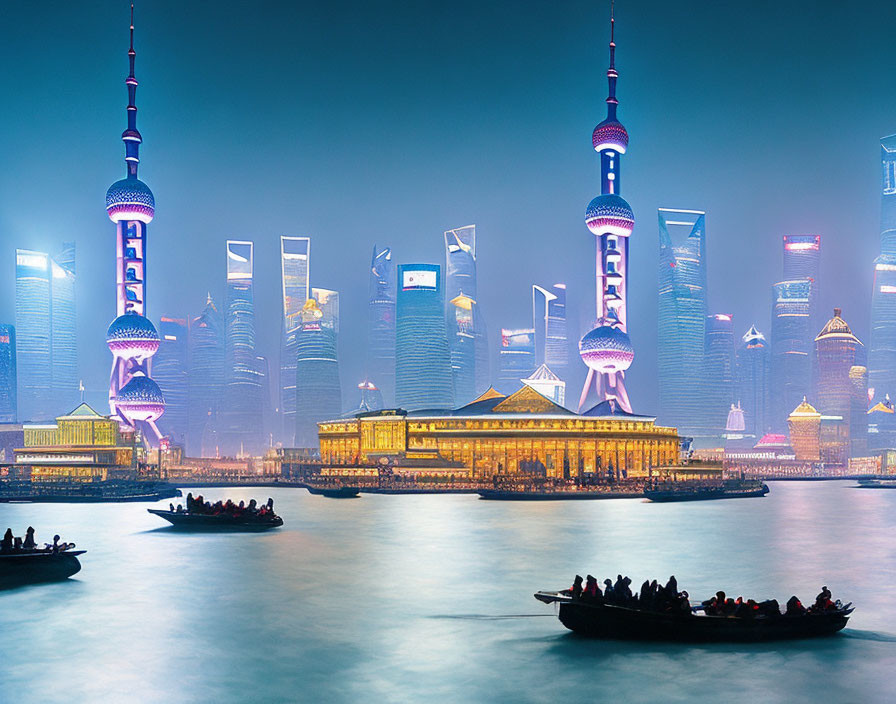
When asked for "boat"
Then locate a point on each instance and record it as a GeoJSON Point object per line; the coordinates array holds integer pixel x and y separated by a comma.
{"type": "Point", "coordinates": [113, 490]}
{"type": "Point", "coordinates": [218, 521]}
{"type": "Point", "coordinates": [601, 620]}
{"type": "Point", "coordinates": [877, 483]}
{"type": "Point", "coordinates": [33, 566]}
{"type": "Point", "coordinates": [692, 491]}
{"type": "Point", "coordinates": [554, 494]}
{"type": "Point", "coordinates": [334, 492]}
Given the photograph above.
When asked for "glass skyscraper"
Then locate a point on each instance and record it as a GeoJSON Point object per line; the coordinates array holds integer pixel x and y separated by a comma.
{"type": "Point", "coordinates": [295, 262]}
{"type": "Point", "coordinates": [423, 376]}
{"type": "Point", "coordinates": [8, 390]}
{"type": "Point", "coordinates": [682, 320]}
{"type": "Point", "coordinates": [63, 338]}
{"type": "Point", "coordinates": [549, 322]}
{"type": "Point", "coordinates": [836, 351]}
{"type": "Point", "coordinates": [381, 324]}
{"type": "Point", "coordinates": [719, 371]}
{"type": "Point", "coordinates": [205, 386]}
{"type": "Point", "coordinates": [516, 359]}
{"type": "Point", "coordinates": [882, 352]}
{"type": "Point", "coordinates": [791, 361]}
{"type": "Point", "coordinates": [752, 378]}
{"type": "Point", "coordinates": [169, 369]}
{"type": "Point", "coordinates": [318, 388]}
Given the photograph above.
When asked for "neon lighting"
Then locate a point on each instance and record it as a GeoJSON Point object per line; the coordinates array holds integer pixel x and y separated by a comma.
{"type": "Point", "coordinates": [888, 289]}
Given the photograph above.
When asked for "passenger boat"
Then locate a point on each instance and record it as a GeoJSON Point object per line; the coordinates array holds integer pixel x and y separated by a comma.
{"type": "Point", "coordinates": [600, 620]}
{"type": "Point", "coordinates": [218, 521]}
{"type": "Point", "coordinates": [334, 492]}
{"type": "Point", "coordinates": [33, 566]}
{"type": "Point", "coordinates": [689, 491]}
{"type": "Point", "coordinates": [554, 494]}
{"type": "Point", "coordinates": [877, 483]}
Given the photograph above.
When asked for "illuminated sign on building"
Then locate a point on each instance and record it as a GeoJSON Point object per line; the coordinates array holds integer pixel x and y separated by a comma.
{"type": "Point", "coordinates": [32, 260]}
{"type": "Point", "coordinates": [417, 279]}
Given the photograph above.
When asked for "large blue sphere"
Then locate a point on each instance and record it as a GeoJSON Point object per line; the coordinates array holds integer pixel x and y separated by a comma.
{"type": "Point", "coordinates": [131, 327]}
{"type": "Point", "coordinates": [130, 199]}
{"type": "Point", "coordinates": [140, 389]}
{"type": "Point", "coordinates": [607, 349]}
{"type": "Point", "coordinates": [609, 214]}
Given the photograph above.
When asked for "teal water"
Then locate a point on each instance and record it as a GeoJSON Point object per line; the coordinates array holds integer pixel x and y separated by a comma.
{"type": "Point", "coordinates": [413, 598]}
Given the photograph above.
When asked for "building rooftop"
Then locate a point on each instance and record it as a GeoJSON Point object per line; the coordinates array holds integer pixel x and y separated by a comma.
{"type": "Point", "coordinates": [835, 328]}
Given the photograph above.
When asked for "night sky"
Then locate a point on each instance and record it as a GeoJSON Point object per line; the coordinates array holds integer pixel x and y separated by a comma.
{"type": "Point", "coordinates": [390, 122]}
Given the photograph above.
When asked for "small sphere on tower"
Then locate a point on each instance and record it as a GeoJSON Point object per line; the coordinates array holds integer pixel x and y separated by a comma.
{"type": "Point", "coordinates": [132, 336]}
{"type": "Point", "coordinates": [609, 214]}
{"type": "Point", "coordinates": [130, 199]}
{"type": "Point", "coordinates": [607, 349]}
{"type": "Point", "coordinates": [610, 134]}
{"type": "Point", "coordinates": [140, 399]}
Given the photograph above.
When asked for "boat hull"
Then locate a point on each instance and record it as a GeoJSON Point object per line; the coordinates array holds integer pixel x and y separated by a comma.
{"type": "Point", "coordinates": [501, 495]}
{"type": "Point", "coordinates": [659, 496]}
{"type": "Point", "coordinates": [342, 492]}
{"type": "Point", "coordinates": [219, 522]}
{"type": "Point", "coordinates": [17, 569]}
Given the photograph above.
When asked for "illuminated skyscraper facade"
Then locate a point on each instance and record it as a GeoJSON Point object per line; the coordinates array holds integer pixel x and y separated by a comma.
{"type": "Point", "coordinates": [381, 324]}
{"type": "Point", "coordinates": [835, 355]}
{"type": "Point", "coordinates": [318, 389]}
{"type": "Point", "coordinates": [8, 383]}
{"type": "Point", "coordinates": [295, 262]}
{"type": "Point", "coordinates": [681, 334]}
{"type": "Point", "coordinates": [134, 398]}
{"type": "Point", "coordinates": [549, 322]}
{"type": "Point", "coordinates": [516, 359]}
{"type": "Point", "coordinates": [328, 302]}
{"type": "Point", "coordinates": [423, 376]}
{"type": "Point", "coordinates": [205, 386]}
{"type": "Point", "coordinates": [719, 371]}
{"type": "Point", "coordinates": [63, 339]}
{"type": "Point", "coordinates": [606, 349]}
{"type": "Point", "coordinates": [169, 369]}
{"type": "Point", "coordinates": [791, 361]}
{"type": "Point", "coordinates": [752, 379]}
{"type": "Point", "coordinates": [882, 352]}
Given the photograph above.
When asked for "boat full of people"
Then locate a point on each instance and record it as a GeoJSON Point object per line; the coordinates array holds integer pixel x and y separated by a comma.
{"type": "Point", "coordinates": [200, 514]}
{"type": "Point", "coordinates": [693, 490]}
{"type": "Point", "coordinates": [662, 612]}
{"type": "Point", "coordinates": [22, 561]}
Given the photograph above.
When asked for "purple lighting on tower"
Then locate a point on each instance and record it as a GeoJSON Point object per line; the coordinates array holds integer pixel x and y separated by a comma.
{"type": "Point", "coordinates": [607, 349]}
{"type": "Point", "coordinates": [134, 398]}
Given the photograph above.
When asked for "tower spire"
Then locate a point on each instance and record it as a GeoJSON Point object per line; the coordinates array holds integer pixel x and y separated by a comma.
{"type": "Point", "coordinates": [611, 71]}
{"type": "Point", "coordinates": [131, 136]}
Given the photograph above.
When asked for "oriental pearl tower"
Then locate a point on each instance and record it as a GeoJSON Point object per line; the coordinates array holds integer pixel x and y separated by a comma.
{"type": "Point", "coordinates": [134, 398]}
{"type": "Point", "coordinates": [607, 349]}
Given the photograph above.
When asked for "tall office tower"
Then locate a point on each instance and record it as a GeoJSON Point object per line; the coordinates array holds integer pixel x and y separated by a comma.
{"type": "Point", "coordinates": [295, 262]}
{"type": "Point", "coordinates": [804, 425]}
{"type": "Point", "coordinates": [719, 371]}
{"type": "Point", "coordinates": [516, 359]}
{"type": "Point", "coordinates": [205, 387]}
{"type": "Point", "coordinates": [607, 350]}
{"type": "Point", "coordinates": [835, 356]}
{"type": "Point", "coordinates": [328, 302]}
{"type": "Point", "coordinates": [371, 397]}
{"type": "Point", "coordinates": [791, 361]}
{"type": "Point", "coordinates": [882, 353]}
{"type": "Point", "coordinates": [381, 324]}
{"type": "Point", "coordinates": [134, 398]}
{"type": "Point", "coordinates": [169, 369]}
{"type": "Point", "coordinates": [422, 361]}
{"type": "Point", "coordinates": [549, 321]}
{"type": "Point", "coordinates": [858, 411]}
{"type": "Point", "coordinates": [751, 381]}
{"type": "Point", "coordinates": [240, 417]}
{"type": "Point", "coordinates": [8, 389]}
{"type": "Point", "coordinates": [802, 261]}
{"type": "Point", "coordinates": [682, 319]}
{"type": "Point", "coordinates": [318, 390]}
{"type": "Point", "coordinates": [467, 337]}
{"type": "Point", "coordinates": [63, 339]}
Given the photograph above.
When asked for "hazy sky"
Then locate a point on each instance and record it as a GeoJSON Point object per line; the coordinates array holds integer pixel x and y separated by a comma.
{"type": "Point", "coordinates": [390, 122]}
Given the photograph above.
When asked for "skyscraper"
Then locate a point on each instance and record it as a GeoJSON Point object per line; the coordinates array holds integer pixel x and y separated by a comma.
{"type": "Point", "coordinates": [719, 371]}
{"type": "Point", "coordinates": [549, 322]}
{"type": "Point", "coordinates": [467, 339]}
{"type": "Point", "coordinates": [8, 389]}
{"type": "Point", "coordinates": [682, 319]}
{"type": "Point", "coordinates": [607, 350]}
{"type": "Point", "coordinates": [381, 324]}
{"type": "Point", "coordinates": [134, 398]}
{"type": "Point", "coordinates": [240, 417]}
{"type": "Point", "coordinates": [169, 369]}
{"type": "Point", "coordinates": [835, 356]}
{"type": "Point", "coordinates": [205, 381]}
{"type": "Point", "coordinates": [791, 361]}
{"type": "Point", "coordinates": [422, 360]}
{"type": "Point", "coordinates": [318, 389]}
{"type": "Point", "coordinates": [516, 359]}
{"type": "Point", "coordinates": [751, 385]}
{"type": "Point", "coordinates": [328, 302]}
{"type": "Point", "coordinates": [63, 338]}
{"type": "Point", "coordinates": [882, 353]}
{"type": "Point", "coordinates": [295, 263]}
{"type": "Point", "coordinates": [858, 411]}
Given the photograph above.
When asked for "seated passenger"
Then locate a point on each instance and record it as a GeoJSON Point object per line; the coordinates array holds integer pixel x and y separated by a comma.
{"type": "Point", "coordinates": [823, 600]}
{"type": "Point", "coordinates": [769, 608]}
{"type": "Point", "coordinates": [171, 508]}
{"type": "Point", "coordinates": [6, 543]}
{"type": "Point", "coordinates": [576, 589]}
{"type": "Point", "coordinates": [609, 596]}
{"type": "Point", "coordinates": [29, 543]}
{"type": "Point", "coordinates": [56, 543]}
{"type": "Point", "coordinates": [684, 604]}
{"type": "Point", "coordinates": [794, 607]}
{"type": "Point", "coordinates": [592, 591]}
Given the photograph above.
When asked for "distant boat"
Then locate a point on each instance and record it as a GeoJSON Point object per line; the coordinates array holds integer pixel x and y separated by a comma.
{"type": "Point", "coordinates": [691, 491]}
{"type": "Point", "coordinates": [334, 492]}
{"type": "Point", "coordinates": [554, 494]}
{"type": "Point", "coordinates": [34, 566]}
{"type": "Point", "coordinates": [877, 483]}
{"type": "Point", "coordinates": [218, 521]}
{"type": "Point", "coordinates": [113, 490]}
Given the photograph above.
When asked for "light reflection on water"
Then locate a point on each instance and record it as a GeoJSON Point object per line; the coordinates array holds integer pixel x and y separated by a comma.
{"type": "Point", "coordinates": [396, 598]}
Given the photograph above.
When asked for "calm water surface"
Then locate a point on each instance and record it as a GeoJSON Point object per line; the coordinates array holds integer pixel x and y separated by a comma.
{"type": "Point", "coordinates": [406, 598]}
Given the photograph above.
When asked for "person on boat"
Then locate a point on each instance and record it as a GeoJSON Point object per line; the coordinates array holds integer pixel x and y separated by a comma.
{"type": "Point", "coordinates": [56, 546]}
{"type": "Point", "coordinates": [576, 588]}
{"type": "Point", "coordinates": [270, 505]}
{"type": "Point", "coordinates": [17, 544]}
{"type": "Point", "coordinates": [189, 501]}
{"type": "Point", "coordinates": [6, 543]}
{"type": "Point", "coordinates": [29, 543]}
{"type": "Point", "coordinates": [171, 508]}
{"type": "Point", "coordinates": [794, 607]}
{"type": "Point", "coordinates": [592, 591]}
{"type": "Point", "coordinates": [608, 591]}
{"type": "Point", "coordinates": [684, 603]}
{"type": "Point", "coordinates": [253, 506]}
{"type": "Point", "coordinates": [823, 601]}
{"type": "Point", "coordinates": [713, 606]}
{"type": "Point", "coordinates": [769, 608]}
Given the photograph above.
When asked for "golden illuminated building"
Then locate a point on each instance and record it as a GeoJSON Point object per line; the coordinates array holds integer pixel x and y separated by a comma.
{"type": "Point", "coordinates": [496, 434]}
{"type": "Point", "coordinates": [80, 446]}
{"type": "Point", "coordinates": [805, 432]}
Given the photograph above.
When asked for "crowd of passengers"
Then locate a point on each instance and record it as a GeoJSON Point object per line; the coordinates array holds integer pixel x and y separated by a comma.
{"type": "Point", "coordinates": [12, 544]}
{"type": "Point", "coordinates": [225, 508]}
{"type": "Point", "coordinates": [654, 596]}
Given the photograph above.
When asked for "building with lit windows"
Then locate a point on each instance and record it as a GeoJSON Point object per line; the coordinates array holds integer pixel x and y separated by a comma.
{"type": "Point", "coordinates": [752, 381]}
{"type": "Point", "coordinates": [548, 384]}
{"type": "Point", "coordinates": [802, 260]}
{"type": "Point", "coordinates": [719, 371]}
{"type": "Point", "coordinates": [169, 369]}
{"type": "Point", "coordinates": [381, 323]}
{"type": "Point", "coordinates": [422, 359]}
{"type": "Point", "coordinates": [835, 355]}
{"type": "Point", "coordinates": [516, 358]}
{"type": "Point", "coordinates": [681, 333]}
{"type": "Point", "coordinates": [63, 338]}
{"type": "Point", "coordinates": [858, 411]}
{"type": "Point", "coordinates": [882, 425]}
{"type": "Point", "coordinates": [462, 346]}
{"type": "Point", "coordinates": [792, 352]}
{"type": "Point", "coordinates": [295, 263]}
{"type": "Point", "coordinates": [549, 322]}
{"type": "Point", "coordinates": [205, 385]}
{"type": "Point", "coordinates": [328, 302]}
{"type": "Point", "coordinates": [882, 352]}
{"type": "Point", "coordinates": [8, 388]}
{"type": "Point", "coordinates": [497, 434]}
{"type": "Point", "coordinates": [804, 423]}
{"type": "Point", "coordinates": [318, 389]}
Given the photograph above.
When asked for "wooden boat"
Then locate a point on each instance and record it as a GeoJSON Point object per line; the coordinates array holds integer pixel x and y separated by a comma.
{"type": "Point", "coordinates": [553, 495]}
{"type": "Point", "coordinates": [599, 620]}
{"type": "Point", "coordinates": [219, 521]}
{"type": "Point", "coordinates": [334, 492]}
{"type": "Point", "coordinates": [727, 490]}
{"type": "Point", "coordinates": [34, 566]}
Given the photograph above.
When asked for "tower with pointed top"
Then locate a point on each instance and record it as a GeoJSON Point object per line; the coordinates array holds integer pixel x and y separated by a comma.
{"type": "Point", "coordinates": [134, 398]}
{"type": "Point", "coordinates": [607, 350]}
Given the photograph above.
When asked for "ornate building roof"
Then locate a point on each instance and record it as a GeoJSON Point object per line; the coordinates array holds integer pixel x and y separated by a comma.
{"type": "Point", "coordinates": [836, 327]}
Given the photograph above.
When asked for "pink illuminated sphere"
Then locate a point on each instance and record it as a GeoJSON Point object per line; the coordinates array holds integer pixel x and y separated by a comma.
{"type": "Point", "coordinates": [140, 399]}
{"type": "Point", "coordinates": [607, 349]}
{"type": "Point", "coordinates": [132, 336]}
{"type": "Point", "coordinates": [609, 214]}
{"type": "Point", "coordinates": [130, 199]}
{"type": "Point", "coordinates": [610, 135]}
